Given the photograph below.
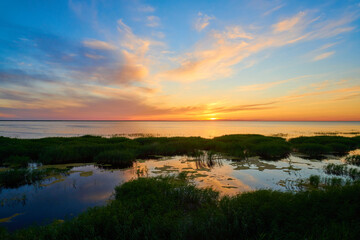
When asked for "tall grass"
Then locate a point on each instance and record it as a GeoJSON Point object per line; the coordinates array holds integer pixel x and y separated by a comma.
{"type": "Point", "coordinates": [342, 170]}
{"type": "Point", "coordinates": [317, 146]}
{"type": "Point", "coordinates": [85, 149]}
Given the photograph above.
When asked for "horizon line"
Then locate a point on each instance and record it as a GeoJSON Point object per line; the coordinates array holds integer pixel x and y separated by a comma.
{"type": "Point", "coordinates": [160, 120]}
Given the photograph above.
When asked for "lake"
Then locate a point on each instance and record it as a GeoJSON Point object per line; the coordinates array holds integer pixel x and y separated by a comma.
{"type": "Point", "coordinates": [206, 129]}
{"type": "Point", "coordinates": [89, 185]}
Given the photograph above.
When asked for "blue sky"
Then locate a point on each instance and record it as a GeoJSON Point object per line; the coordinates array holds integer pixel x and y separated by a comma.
{"type": "Point", "coordinates": [180, 60]}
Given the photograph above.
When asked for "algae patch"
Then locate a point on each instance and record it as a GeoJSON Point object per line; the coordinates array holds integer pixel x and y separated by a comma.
{"type": "Point", "coordinates": [8, 219]}
{"type": "Point", "coordinates": [86, 174]}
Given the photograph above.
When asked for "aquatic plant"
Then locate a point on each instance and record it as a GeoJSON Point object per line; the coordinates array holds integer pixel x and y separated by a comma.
{"type": "Point", "coordinates": [314, 180]}
{"type": "Point", "coordinates": [342, 170]}
{"type": "Point", "coordinates": [353, 159]}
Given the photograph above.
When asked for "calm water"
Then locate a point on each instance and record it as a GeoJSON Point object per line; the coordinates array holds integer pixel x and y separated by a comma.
{"type": "Point", "coordinates": [89, 185]}
{"type": "Point", "coordinates": [207, 129]}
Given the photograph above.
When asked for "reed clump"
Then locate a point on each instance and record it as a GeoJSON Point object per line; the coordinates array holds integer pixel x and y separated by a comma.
{"type": "Point", "coordinates": [353, 159]}
{"type": "Point", "coordinates": [342, 170]}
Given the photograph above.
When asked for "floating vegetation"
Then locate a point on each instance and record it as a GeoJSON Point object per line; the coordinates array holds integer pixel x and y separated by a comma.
{"type": "Point", "coordinates": [86, 174]}
{"type": "Point", "coordinates": [8, 219]}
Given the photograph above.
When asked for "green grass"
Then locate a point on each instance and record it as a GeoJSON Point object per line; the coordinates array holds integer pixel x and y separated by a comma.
{"type": "Point", "coordinates": [19, 152]}
{"type": "Point", "coordinates": [171, 208]}
{"type": "Point", "coordinates": [116, 158]}
{"type": "Point", "coordinates": [318, 146]}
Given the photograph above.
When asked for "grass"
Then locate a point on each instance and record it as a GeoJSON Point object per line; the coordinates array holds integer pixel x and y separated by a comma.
{"type": "Point", "coordinates": [116, 158]}
{"type": "Point", "coordinates": [342, 170]}
{"type": "Point", "coordinates": [317, 146]}
{"type": "Point", "coordinates": [171, 208]}
{"type": "Point", "coordinates": [14, 178]}
{"type": "Point", "coordinates": [122, 151]}
{"type": "Point", "coordinates": [353, 159]}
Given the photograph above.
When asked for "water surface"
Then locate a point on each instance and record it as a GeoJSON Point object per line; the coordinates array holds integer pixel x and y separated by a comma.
{"type": "Point", "coordinates": [90, 185]}
{"type": "Point", "coordinates": [207, 129]}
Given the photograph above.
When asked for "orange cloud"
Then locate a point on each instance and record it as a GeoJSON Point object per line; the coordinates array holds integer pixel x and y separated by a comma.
{"type": "Point", "coordinates": [202, 21]}
{"type": "Point", "coordinates": [323, 56]}
{"type": "Point", "coordinates": [214, 56]}
{"type": "Point", "coordinates": [288, 24]}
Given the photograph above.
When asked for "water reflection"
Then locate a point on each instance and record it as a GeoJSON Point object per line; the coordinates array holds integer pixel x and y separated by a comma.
{"type": "Point", "coordinates": [207, 129]}
{"type": "Point", "coordinates": [90, 185]}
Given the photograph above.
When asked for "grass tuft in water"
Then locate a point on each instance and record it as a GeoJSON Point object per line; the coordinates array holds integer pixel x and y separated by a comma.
{"type": "Point", "coordinates": [353, 159]}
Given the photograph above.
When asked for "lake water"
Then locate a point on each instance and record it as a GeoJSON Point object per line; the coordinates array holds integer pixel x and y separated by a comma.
{"type": "Point", "coordinates": [207, 129]}
{"type": "Point", "coordinates": [89, 185]}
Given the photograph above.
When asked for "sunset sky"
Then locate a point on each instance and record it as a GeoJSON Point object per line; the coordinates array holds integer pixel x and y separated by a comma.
{"type": "Point", "coordinates": [180, 60]}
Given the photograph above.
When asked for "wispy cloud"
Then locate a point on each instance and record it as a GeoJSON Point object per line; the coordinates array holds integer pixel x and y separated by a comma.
{"type": "Point", "coordinates": [97, 44]}
{"type": "Point", "coordinates": [93, 56]}
{"type": "Point", "coordinates": [274, 9]}
{"type": "Point", "coordinates": [323, 56]}
{"type": "Point", "coordinates": [202, 21]}
{"type": "Point", "coordinates": [215, 55]}
{"type": "Point", "coordinates": [288, 24]}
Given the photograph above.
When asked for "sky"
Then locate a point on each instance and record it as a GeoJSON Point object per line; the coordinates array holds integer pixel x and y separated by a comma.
{"type": "Point", "coordinates": [180, 60]}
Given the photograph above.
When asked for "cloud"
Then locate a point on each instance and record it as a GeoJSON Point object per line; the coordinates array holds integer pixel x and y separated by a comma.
{"type": "Point", "coordinates": [288, 24]}
{"type": "Point", "coordinates": [202, 21]}
{"type": "Point", "coordinates": [214, 56]}
{"type": "Point", "coordinates": [323, 56]}
{"type": "Point", "coordinates": [153, 21]}
{"type": "Point", "coordinates": [96, 44]}
{"type": "Point", "coordinates": [93, 56]}
{"type": "Point", "coordinates": [274, 9]}
{"type": "Point", "coordinates": [237, 32]}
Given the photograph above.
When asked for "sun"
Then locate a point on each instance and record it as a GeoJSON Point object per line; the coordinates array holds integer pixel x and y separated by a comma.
{"type": "Point", "coordinates": [212, 119]}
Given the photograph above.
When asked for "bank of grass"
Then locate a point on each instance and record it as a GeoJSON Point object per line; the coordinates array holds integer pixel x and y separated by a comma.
{"type": "Point", "coordinates": [123, 151]}
{"type": "Point", "coordinates": [171, 208]}
{"type": "Point", "coordinates": [317, 146]}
